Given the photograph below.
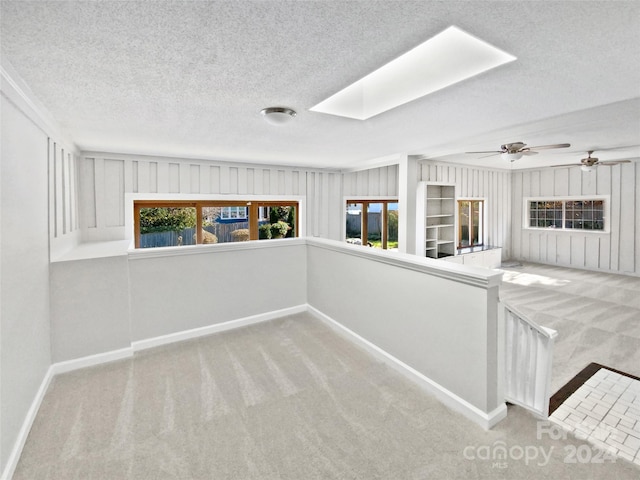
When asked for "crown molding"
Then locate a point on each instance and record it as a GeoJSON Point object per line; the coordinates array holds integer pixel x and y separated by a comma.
{"type": "Point", "coordinates": [16, 90]}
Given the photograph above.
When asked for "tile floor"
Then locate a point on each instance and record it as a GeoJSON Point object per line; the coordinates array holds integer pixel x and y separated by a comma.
{"type": "Point", "coordinates": [605, 411]}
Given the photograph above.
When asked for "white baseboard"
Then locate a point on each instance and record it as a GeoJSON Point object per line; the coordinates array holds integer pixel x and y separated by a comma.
{"type": "Point", "coordinates": [100, 358]}
{"type": "Point", "coordinates": [14, 456]}
{"type": "Point", "coordinates": [218, 327]}
{"type": "Point", "coordinates": [485, 419]}
{"type": "Point", "coordinates": [91, 360]}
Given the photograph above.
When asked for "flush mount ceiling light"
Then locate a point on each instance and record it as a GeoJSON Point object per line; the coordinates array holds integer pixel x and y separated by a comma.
{"type": "Point", "coordinates": [448, 58]}
{"type": "Point", "coordinates": [278, 115]}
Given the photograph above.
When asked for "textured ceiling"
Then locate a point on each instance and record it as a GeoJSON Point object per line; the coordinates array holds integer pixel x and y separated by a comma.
{"type": "Point", "coordinates": [190, 78]}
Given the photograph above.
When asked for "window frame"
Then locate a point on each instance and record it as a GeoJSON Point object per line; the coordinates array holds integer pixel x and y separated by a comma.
{"type": "Point", "coordinates": [483, 221]}
{"type": "Point", "coordinates": [253, 207]}
{"type": "Point", "coordinates": [366, 200]}
{"type": "Point", "coordinates": [606, 211]}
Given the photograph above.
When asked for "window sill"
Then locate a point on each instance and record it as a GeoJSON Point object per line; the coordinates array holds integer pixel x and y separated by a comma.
{"type": "Point", "coordinates": [89, 250]}
{"type": "Point", "coordinates": [569, 230]}
{"type": "Point", "coordinates": [141, 253]}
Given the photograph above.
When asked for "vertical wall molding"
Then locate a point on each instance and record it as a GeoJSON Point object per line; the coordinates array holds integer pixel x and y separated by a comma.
{"type": "Point", "coordinates": [615, 252]}
{"type": "Point", "coordinates": [107, 178]}
{"type": "Point", "coordinates": [494, 186]}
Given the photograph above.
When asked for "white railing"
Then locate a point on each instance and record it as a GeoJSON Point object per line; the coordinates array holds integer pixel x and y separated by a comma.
{"type": "Point", "coordinates": [528, 358]}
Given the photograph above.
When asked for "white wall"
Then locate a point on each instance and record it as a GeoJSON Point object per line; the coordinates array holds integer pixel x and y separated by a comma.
{"type": "Point", "coordinates": [616, 252]}
{"type": "Point", "coordinates": [24, 269]}
{"type": "Point", "coordinates": [90, 312]}
{"type": "Point", "coordinates": [492, 185]}
{"type": "Point", "coordinates": [170, 294]}
{"type": "Point", "coordinates": [406, 305]}
{"type": "Point", "coordinates": [105, 179]}
{"type": "Point", "coordinates": [104, 304]}
{"type": "Point", "coordinates": [381, 181]}
{"type": "Point", "coordinates": [414, 314]}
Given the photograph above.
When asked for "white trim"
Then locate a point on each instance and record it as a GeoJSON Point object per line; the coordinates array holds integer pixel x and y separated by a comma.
{"type": "Point", "coordinates": [216, 328]}
{"type": "Point", "coordinates": [129, 198]}
{"type": "Point", "coordinates": [139, 253]}
{"type": "Point", "coordinates": [432, 162]}
{"type": "Point", "coordinates": [469, 275]}
{"type": "Point", "coordinates": [163, 157]}
{"type": "Point", "coordinates": [450, 399]}
{"type": "Point", "coordinates": [14, 456]}
{"type": "Point", "coordinates": [91, 360]}
{"type": "Point", "coordinates": [486, 420]}
{"type": "Point", "coordinates": [17, 91]}
{"type": "Point", "coordinates": [369, 198]}
{"type": "Point", "coordinates": [568, 198]}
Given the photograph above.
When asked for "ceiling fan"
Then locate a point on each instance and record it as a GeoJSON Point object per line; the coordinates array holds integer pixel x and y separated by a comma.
{"type": "Point", "coordinates": [515, 151]}
{"type": "Point", "coordinates": [589, 163]}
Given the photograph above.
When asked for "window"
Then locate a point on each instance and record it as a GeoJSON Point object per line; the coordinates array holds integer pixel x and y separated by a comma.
{"type": "Point", "coordinates": [470, 223]}
{"type": "Point", "coordinates": [584, 215]}
{"type": "Point", "coordinates": [179, 223]}
{"type": "Point", "coordinates": [377, 228]}
{"type": "Point", "coordinates": [587, 214]}
{"type": "Point", "coordinates": [227, 213]}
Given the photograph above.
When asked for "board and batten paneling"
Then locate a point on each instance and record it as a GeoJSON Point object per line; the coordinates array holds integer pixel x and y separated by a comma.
{"type": "Point", "coordinates": [105, 179]}
{"type": "Point", "coordinates": [375, 182]}
{"type": "Point", "coordinates": [616, 251]}
{"type": "Point", "coordinates": [64, 225]}
{"type": "Point", "coordinates": [493, 186]}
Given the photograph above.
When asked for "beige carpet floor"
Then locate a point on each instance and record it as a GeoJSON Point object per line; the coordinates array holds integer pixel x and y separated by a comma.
{"type": "Point", "coordinates": [597, 315]}
{"type": "Point", "coordinates": [285, 399]}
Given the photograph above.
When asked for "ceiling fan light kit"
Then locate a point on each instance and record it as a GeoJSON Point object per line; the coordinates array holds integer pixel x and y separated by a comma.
{"type": "Point", "coordinates": [278, 115]}
{"type": "Point", "coordinates": [511, 157]}
{"type": "Point", "coordinates": [589, 164]}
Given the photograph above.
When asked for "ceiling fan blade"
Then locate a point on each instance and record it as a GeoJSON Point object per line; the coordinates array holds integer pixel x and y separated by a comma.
{"type": "Point", "coordinates": [544, 147]}
{"type": "Point", "coordinates": [568, 165]}
{"type": "Point", "coordinates": [490, 155]}
{"type": "Point", "coordinates": [528, 152]}
{"type": "Point", "coordinates": [613, 162]}
{"type": "Point", "coordinates": [494, 152]}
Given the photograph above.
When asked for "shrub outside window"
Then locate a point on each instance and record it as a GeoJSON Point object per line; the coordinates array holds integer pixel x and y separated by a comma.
{"type": "Point", "coordinates": [181, 223]}
{"type": "Point", "coordinates": [377, 228]}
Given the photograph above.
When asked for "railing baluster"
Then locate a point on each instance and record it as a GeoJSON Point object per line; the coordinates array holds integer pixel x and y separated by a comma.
{"type": "Point", "coordinates": [528, 355]}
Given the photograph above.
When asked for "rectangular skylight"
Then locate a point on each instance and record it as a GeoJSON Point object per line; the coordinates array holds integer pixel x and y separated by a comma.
{"type": "Point", "coordinates": [448, 58]}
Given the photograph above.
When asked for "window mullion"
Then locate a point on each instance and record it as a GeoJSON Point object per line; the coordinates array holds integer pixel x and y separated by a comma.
{"type": "Point", "coordinates": [136, 224]}
{"type": "Point", "coordinates": [384, 222]}
{"type": "Point", "coordinates": [199, 227]}
{"type": "Point", "coordinates": [253, 220]}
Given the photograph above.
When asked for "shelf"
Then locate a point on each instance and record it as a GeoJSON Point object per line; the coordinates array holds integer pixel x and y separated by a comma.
{"type": "Point", "coordinates": [439, 217]}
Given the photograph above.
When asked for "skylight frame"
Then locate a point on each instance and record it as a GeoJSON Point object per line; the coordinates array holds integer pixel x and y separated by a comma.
{"type": "Point", "coordinates": [448, 58]}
